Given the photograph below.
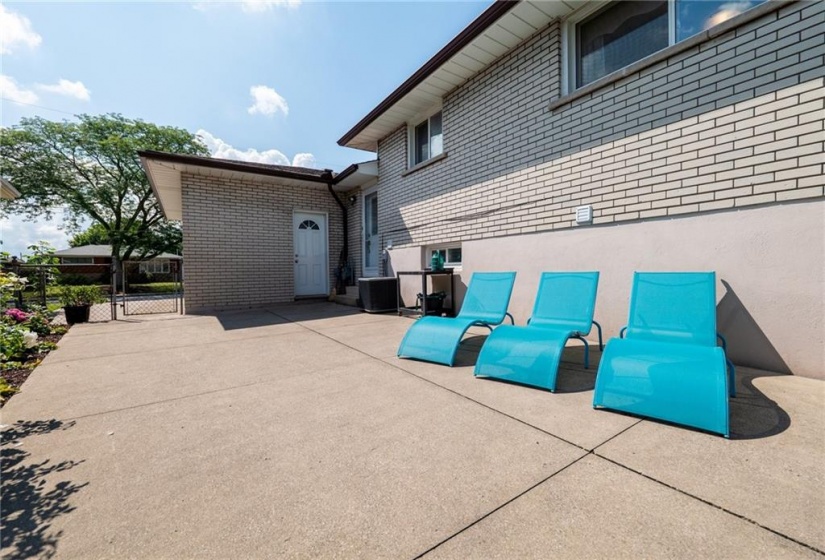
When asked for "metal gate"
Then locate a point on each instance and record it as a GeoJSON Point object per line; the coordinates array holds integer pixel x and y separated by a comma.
{"type": "Point", "coordinates": [151, 286]}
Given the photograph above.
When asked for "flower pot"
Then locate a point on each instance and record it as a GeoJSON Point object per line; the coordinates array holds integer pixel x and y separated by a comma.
{"type": "Point", "coordinates": [77, 313]}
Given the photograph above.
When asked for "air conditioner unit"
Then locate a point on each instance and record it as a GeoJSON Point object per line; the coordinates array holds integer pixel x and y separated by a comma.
{"type": "Point", "coordinates": [378, 295]}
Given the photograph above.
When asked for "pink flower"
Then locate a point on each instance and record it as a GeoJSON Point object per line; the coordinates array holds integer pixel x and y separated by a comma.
{"type": "Point", "coordinates": [18, 315]}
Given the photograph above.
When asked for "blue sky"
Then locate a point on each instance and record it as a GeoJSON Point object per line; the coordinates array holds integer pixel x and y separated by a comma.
{"type": "Point", "coordinates": [266, 80]}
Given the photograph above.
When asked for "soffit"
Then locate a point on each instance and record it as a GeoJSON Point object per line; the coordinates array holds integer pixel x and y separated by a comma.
{"type": "Point", "coordinates": [521, 22]}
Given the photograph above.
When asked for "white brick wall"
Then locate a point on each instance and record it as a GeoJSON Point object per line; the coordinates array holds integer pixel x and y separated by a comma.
{"type": "Point", "coordinates": [731, 123]}
{"type": "Point", "coordinates": [238, 241]}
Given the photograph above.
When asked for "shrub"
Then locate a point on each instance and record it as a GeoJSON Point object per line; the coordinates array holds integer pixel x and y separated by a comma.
{"type": "Point", "coordinates": [71, 296]}
{"type": "Point", "coordinates": [76, 280]}
{"type": "Point", "coordinates": [40, 321]}
{"type": "Point", "coordinates": [17, 315]}
{"type": "Point", "coordinates": [15, 340]}
{"type": "Point", "coordinates": [6, 390]}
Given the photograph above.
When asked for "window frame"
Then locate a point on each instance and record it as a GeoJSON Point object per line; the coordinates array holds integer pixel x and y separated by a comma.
{"type": "Point", "coordinates": [77, 260]}
{"type": "Point", "coordinates": [144, 266]}
{"type": "Point", "coordinates": [428, 253]}
{"type": "Point", "coordinates": [568, 40]}
{"type": "Point", "coordinates": [411, 127]}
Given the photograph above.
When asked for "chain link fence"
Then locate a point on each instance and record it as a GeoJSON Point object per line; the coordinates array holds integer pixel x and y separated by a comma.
{"type": "Point", "coordinates": [138, 288]}
{"type": "Point", "coordinates": [46, 282]}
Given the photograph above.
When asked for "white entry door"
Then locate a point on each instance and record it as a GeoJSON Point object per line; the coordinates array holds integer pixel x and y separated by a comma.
{"type": "Point", "coordinates": [310, 233]}
{"type": "Point", "coordinates": [372, 250]}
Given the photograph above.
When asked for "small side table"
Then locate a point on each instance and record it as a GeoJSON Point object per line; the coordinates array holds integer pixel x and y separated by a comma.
{"type": "Point", "coordinates": [424, 274]}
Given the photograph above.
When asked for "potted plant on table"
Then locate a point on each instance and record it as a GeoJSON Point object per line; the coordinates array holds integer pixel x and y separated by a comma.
{"type": "Point", "coordinates": [78, 300]}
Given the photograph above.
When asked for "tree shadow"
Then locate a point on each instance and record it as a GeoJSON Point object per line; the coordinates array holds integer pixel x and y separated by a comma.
{"type": "Point", "coordinates": [30, 503]}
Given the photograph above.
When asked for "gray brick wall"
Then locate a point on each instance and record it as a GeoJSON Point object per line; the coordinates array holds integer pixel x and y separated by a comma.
{"type": "Point", "coordinates": [238, 241]}
{"type": "Point", "coordinates": [734, 122]}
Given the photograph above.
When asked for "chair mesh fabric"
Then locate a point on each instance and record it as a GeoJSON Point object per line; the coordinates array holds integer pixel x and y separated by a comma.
{"type": "Point", "coordinates": [566, 300]}
{"type": "Point", "coordinates": [488, 296]}
{"type": "Point", "coordinates": [677, 307]}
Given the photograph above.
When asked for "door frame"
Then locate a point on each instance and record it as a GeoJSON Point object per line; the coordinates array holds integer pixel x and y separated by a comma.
{"type": "Point", "coordinates": [376, 270]}
{"type": "Point", "coordinates": [295, 212]}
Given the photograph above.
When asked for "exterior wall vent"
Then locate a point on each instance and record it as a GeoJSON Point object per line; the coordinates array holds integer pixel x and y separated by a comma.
{"type": "Point", "coordinates": [584, 214]}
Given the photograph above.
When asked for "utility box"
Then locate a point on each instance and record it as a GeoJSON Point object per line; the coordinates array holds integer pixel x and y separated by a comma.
{"type": "Point", "coordinates": [378, 295]}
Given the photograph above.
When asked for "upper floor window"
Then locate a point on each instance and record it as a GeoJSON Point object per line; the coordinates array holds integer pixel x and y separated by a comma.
{"type": "Point", "coordinates": [77, 260]}
{"type": "Point", "coordinates": [603, 40]}
{"type": "Point", "coordinates": [427, 140]}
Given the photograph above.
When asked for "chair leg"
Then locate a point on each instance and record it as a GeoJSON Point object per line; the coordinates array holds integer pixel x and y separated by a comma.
{"type": "Point", "coordinates": [732, 374]}
{"type": "Point", "coordinates": [599, 329]}
{"type": "Point", "coordinates": [586, 349]}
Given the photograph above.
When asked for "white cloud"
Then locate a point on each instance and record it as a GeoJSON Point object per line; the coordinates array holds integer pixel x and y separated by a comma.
{"type": "Point", "coordinates": [67, 88]}
{"type": "Point", "coordinates": [304, 160]}
{"type": "Point", "coordinates": [267, 101]}
{"type": "Point", "coordinates": [220, 149]}
{"type": "Point", "coordinates": [16, 30]}
{"type": "Point", "coordinates": [11, 91]}
{"type": "Point", "coordinates": [266, 5]}
{"type": "Point", "coordinates": [18, 233]}
{"type": "Point", "coordinates": [248, 6]}
{"type": "Point", "coordinates": [726, 12]}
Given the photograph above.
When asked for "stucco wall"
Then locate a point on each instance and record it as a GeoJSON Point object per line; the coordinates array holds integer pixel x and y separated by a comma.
{"type": "Point", "coordinates": [238, 240]}
{"type": "Point", "coordinates": [727, 132]}
{"type": "Point", "coordinates": [769, 290]}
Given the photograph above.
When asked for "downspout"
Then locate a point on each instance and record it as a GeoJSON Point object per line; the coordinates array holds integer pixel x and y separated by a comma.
{"type": "Point", "coordinates": [342, 259]}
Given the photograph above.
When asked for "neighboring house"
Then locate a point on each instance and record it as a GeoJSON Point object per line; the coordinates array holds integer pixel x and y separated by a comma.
{"type": "Point", "coordinates": [97, 255]}
{"type": "Point", "coordinates": [7, 191]}
{"type": "Point", "coordinates": [683, 135]}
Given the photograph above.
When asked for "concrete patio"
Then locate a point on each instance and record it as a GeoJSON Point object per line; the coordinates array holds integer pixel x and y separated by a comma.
{"type": "Point", "coordinates": [295, 432]}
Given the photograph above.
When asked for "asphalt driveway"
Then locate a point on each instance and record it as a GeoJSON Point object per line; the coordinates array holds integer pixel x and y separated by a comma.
{"type": "Point", "coordinates": [295, 432]}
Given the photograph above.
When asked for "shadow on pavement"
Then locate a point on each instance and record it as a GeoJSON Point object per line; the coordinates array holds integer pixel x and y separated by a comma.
{"type": "Point", "coordinates": [30, 503]}
{"type": "Point", "coordinates": [752, 414]}
{"type": "Point", "coordinates": [303, 311]}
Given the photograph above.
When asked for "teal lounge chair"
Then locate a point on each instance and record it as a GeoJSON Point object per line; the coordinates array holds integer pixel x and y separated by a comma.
{"type": "Point", "coordinates": [436, 339]}
{"type": "Point", "coordinates": [530, 355]}
{"type": "Point", "coordinates": [669, 366]}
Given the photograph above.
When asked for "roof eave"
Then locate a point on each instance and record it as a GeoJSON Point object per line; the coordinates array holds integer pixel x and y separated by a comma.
{"type": "Point", "coordinates": [482, 22]}
{"type": "Point", "coordinates": [8, 191]}
{"type": "Point", "coordinates": [239, 166]}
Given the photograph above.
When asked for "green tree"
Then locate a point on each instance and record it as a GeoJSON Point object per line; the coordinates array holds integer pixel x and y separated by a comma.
{"type": "Point", "coordinates": [170, 238]}
{"type": "Point", "coordinates": [90, 168]}
{"type": "Point", "coordinates": [96, 234]}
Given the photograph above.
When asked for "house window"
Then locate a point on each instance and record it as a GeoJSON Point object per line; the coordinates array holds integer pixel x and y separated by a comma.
{"type": "Point", "coordinates": [620, 33]}
{"type": "Point", "coordinates": [427, 140]}
{"type": "Point", "coordinates": [77, 260]}
{"type": "Point", "coordinates": [155, 266]}
{"type": "Point", "coordinates": [450, 254]}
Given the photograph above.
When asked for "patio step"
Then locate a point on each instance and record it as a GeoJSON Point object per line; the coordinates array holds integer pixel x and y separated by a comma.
{"type": "Point", "coordinates": [349, 298]}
